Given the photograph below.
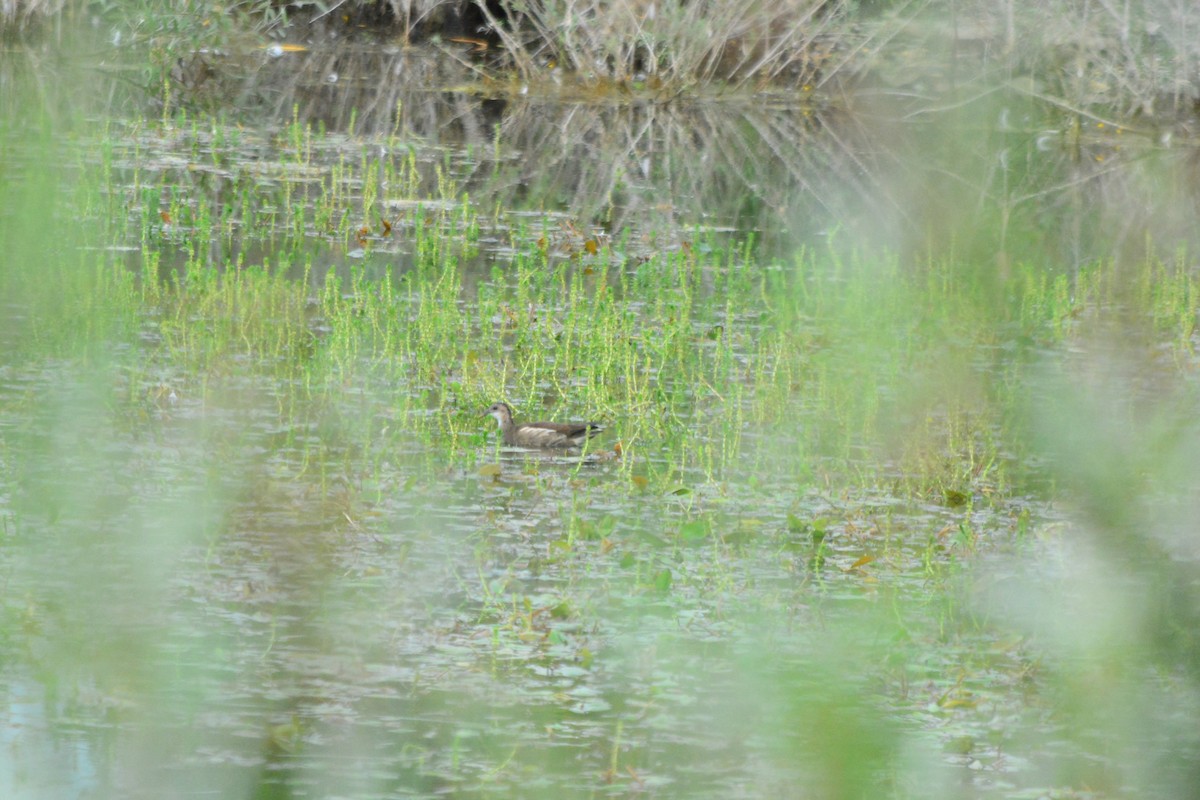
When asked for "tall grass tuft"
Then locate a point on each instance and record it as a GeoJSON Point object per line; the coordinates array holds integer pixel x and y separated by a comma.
{"type": "Point", "coordinates": [673, 42]}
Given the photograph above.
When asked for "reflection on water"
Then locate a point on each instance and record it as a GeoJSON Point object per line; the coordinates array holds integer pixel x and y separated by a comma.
{"type": "Point", "coordinates": [994, 170]}
{"type": "Point", "coordinates": [42, 756]}
{"type": "Point", "coordinates": [996, 176]}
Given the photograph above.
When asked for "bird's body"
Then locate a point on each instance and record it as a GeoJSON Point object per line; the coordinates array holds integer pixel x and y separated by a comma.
{"type": "Point", "coordinates": [547, 435]}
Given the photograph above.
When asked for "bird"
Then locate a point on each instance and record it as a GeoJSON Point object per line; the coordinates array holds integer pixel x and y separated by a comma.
{"type": "Point", "coordinates": [547, 435]}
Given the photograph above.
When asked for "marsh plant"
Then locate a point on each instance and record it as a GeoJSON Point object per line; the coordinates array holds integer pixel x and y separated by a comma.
{"type": "Point", "coordinates": [670, 43]}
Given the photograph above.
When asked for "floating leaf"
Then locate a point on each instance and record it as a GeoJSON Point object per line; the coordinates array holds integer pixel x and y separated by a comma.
{"type": "Point", "coordinates": [598, 529]}
{"type": "Point", "coordinates": [286, 737]}
{"type": "Point", "coordinates": [693, 531]}
{"type": "Point", "coordinates": [959, 702]}
{"type": "Point", "coordinates": [962, 745]}
{"type": "Point", "coordinates": [662, 581]}
{"type": "Point", "coordinates": [955, 498]}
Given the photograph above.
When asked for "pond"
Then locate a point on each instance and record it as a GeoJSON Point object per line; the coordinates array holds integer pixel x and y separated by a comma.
{"type": "Point", "coordinates": [894, 492]}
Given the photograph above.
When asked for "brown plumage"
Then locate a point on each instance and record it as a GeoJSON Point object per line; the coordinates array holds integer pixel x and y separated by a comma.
{"type": "Point", "coordinates": [540, 434]}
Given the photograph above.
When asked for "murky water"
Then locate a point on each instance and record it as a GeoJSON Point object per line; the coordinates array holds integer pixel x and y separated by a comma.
{"type": "Point", "coordinates": [221, 581]}
{"type": "Point", "coordinates": [241, 606]}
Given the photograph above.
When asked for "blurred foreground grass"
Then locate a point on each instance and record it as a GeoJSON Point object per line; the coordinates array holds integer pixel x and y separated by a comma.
{"type": "Point", "coordinates": [876, 527]}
